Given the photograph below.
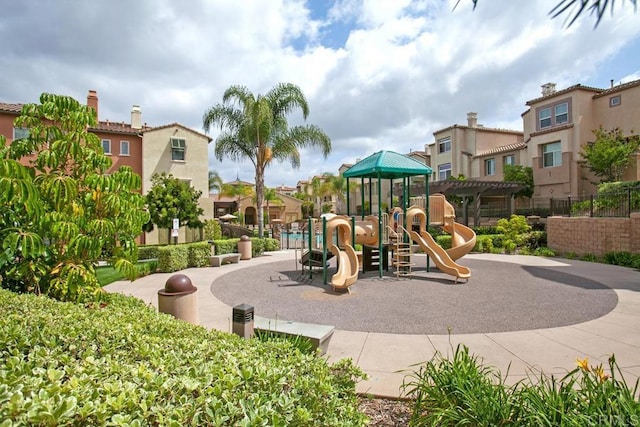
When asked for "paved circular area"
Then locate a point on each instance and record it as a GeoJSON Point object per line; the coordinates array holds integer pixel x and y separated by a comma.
{"type": "Point", "coordinates": [499, 297]}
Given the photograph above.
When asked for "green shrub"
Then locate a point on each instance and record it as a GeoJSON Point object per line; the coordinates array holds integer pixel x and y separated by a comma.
{"type": "Point", "coordinates": [484, 244]}
{"type": "Point", "coordinates": [589, 258]}
{"type": "Point", "coordinates": [226, 246]}
{"type": "Point", "coordinates": [212, 230]}
{"type": "Point", "coordinates": [485, 229]}
{"type": "Point", "coordinates": [544, 251]}
{"type": "Point", "coordinates": [172, 258]}
{"type": "Point", "coordinates": [623, 258]}
{"type": "Point", "coordinates": [148, 252]}
{"type": "Point", "coordinates": [198, 254]}
{"type": "Point", "coordinates": [61, 366]}
{"type": "Point", "coordinates": [510, 246]}
{"type": "Point", "coordinates": [302, 344]}
{"type": "Point", "coordinates": [462, 392]}
{"type": "Point", "coordinates": [444, 240]}
{"type": "Point", "coordinates": [271, 245]}
{"type": "Point", "coordinates": [257, 246]}
{"type": "Point", "coordinates": [515, 225]}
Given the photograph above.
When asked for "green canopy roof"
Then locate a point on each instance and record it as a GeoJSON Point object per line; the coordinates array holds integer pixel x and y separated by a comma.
{"type": "Point", "coordinates": [387, 164]}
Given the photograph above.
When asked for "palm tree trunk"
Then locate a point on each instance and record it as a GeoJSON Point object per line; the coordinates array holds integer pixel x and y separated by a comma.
{"type": "Point", "coordinates": [259, 200]}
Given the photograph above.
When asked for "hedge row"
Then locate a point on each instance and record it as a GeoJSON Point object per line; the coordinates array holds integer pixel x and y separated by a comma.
{"type": "Point", "coordinates": [258, 246]}
{"type": "Point", "coordinates": [178, 257]}
{"type": "Point", "coordinates": [60, 365]}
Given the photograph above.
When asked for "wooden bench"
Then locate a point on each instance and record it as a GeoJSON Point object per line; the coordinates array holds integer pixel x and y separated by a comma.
{"type": "Point", "coordinates": [218, 260]}
{"type": "Point", "coordinates": [319, 335]}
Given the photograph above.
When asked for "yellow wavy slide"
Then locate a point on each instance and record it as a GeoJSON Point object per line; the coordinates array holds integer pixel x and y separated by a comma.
{"type": "Point", "coordinates": [439, 256]}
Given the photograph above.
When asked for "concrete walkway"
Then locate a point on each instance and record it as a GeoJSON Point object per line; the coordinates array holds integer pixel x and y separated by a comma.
{"type": "Point", "coordinates": [388, 358]}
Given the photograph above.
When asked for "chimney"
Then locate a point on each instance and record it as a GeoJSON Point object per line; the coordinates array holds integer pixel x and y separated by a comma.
{"type": "Point", "coordinates": [612, 83]}
{"type": "Point", "coordinates": [472, 120]}
{"type": "Point", "coordinates": [548, 89]}
{"type": "Point", "coordinates": [92, 101]}
{"type": "Point", "coordinates": [136, 117]}
{"type": "Point", "coordinates": [427, 149]}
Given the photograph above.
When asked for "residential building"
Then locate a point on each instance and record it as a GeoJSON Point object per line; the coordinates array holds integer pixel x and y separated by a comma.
{"type": "Point", "coordinates": [560, 122]}
{"type": "Point", "coordinates": [171, 148]}
{"type": "Point", "coordinates": [474, 151]}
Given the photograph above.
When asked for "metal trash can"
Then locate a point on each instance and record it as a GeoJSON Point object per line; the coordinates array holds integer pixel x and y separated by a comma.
{"type": "Point", "coordinates": [243, 318]}
{"type": "Point", "coordinates": [179, 299]}
{"type": "Point", "coordinates": [244, 247]}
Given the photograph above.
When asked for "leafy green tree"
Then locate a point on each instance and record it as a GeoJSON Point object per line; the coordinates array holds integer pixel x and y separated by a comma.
{"type": "Point", "coordinates": [256, 128]}
{"type": "Point", "coordinates": [60, 210]}
{"type": "Point", "coordinates": [610, 154]}
{"type": "Point", "coordinates": [215, 182]}
{"type": "Point", "coordinates": [171, 197]}
{"type": "Point", "coordinates": [522, 175]}
{"type": "Point", "coordinates": [578, 7]}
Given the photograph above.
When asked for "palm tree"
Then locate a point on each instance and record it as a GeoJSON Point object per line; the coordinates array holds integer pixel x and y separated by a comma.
{"type": "Point", "coordinates": [337, 187]}
{"type": "Point", "coordinates": [577, 8]}
{"type": "Point", "coordinates": [236, 190]}
{"type": "Point", "coordinates": [256, 128]}
{"type": "Point", "coordinates": [270, 195]}
{"type": "Point", "coordinates": [215, 182]}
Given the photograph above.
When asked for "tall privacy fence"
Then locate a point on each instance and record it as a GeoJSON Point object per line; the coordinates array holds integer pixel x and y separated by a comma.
{"type": "Point", "coordinates": [613, 205]}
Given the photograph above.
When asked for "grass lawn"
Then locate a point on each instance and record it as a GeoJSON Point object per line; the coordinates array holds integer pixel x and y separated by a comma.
{"type": "Point", "coordinates": [107, 274]}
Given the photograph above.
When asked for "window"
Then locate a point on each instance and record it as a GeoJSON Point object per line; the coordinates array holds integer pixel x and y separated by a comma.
{"type": "Point", "coordinates": [20, 133]}
{"type": "Point", "coordinates": [444, 145]}
{"type": "Point", "coordinates": [544, 117]}
{"type": "Point", "coordinates": [490, 167]}
{"type": "Point", "coordinates": [124, 148]}
{"type": "Point", "coordinates": [444, 171]}
{"type": "Point", "coordinates": [106, 146]}
{"type": "Point", "coordinates": [562, 113]}
{"type": "Point", "coordinates": [178, 147]}
{"type": "Point", "coordinates": [554, 114]}
{"type": "Point", "coordinates": [551, 155]}
{"type": "Point", "coordinates": [614, 101]}
{"type": "Point", "coordinates": [509, 160]}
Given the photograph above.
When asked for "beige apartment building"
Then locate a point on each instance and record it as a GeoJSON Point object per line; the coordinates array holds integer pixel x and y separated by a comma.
{"type": "Point", "coordinates": [474, 151]}
{"type": "Point", "coordinates": [560, 122]}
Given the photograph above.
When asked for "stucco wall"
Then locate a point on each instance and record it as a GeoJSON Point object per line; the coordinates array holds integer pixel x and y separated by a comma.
{"type": "Point", "coordinates": [597, 236]}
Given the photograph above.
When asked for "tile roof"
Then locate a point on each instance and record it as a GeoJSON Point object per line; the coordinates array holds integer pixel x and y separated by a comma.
{"type": "Point", "coordinates": [503, 149]}
{"type": "Point", "coordinates": [617, 88]}
{"type": "Point", "coordinates": [107, 126]}
{"type": "Point", "coordinates": [563, 91]}
{"type": "Point", "coordinates": [10, 108]}
{"type": "Point", "coordinates": [479, 128]}
{"type": "Point", "coordinates": [178, 125]}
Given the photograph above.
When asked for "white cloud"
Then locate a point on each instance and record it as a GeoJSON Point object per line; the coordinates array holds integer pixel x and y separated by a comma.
{"type": "Point", "coordinates": [405, 68]}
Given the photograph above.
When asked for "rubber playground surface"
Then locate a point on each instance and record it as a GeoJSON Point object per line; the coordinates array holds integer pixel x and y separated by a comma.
{"type": "Point", "coordinates": [523, 294]}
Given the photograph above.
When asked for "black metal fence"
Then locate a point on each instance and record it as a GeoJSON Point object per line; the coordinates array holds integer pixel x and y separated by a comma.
{"type": "Point", "coordinates": [615, 204]}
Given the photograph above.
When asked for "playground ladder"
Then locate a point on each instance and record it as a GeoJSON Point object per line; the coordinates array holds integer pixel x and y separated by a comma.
{"type": "Point", "coordinates": [402, 255]}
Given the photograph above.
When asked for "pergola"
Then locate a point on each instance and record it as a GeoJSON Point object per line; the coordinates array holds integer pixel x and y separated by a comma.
{"type": "Point", "coordinates": [387, 165]}
{"type": "Point", "coordinates": [475, 189]}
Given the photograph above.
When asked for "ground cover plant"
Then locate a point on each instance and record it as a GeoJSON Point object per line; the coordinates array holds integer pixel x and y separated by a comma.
{"type": "Point", "coordinates": [459, 390]}
{"type": "Point", "coordinates": [119, 362]}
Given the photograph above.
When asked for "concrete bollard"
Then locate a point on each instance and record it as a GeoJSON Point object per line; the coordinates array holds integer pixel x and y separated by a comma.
{"type": "Point", "coordinates": [244, 247]}
{"type": "Point", "coordinates": [179, 299]}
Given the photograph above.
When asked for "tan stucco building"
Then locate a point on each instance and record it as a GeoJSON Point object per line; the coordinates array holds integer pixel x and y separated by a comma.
{"type": "Point", "coordinates": [559, 123]}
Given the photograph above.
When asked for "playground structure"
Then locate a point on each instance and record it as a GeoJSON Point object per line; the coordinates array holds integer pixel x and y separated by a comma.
{"type": "Point", "coordinates": [338, 234]}
{"type": "Point", "coordinates": [441, 213]}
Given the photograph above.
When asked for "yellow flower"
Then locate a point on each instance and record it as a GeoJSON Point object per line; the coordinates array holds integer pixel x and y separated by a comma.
{"type": "Point", "coordinates": [599, 372]}
{"type": "Point", "coordinates": [583, 364]}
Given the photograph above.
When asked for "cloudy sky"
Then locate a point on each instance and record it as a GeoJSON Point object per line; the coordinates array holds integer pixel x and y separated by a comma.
{"type": "Point", "coordinates": [378, 74]}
